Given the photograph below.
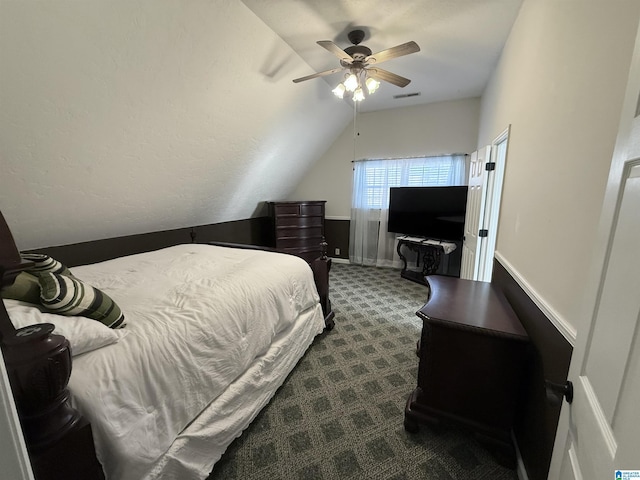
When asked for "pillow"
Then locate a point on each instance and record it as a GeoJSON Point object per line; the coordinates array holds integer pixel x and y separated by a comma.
{"type": "Point", "coordinates": [45, 264]}
{"type": "Point", "coordinates": [84, 335]}
{"type": "Point", "coordinates": [69, 296]}
{"type": "Point", "coordinates": [25, 287]}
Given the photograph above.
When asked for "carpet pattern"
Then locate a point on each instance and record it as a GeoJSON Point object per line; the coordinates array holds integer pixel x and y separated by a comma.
{"type": "Point", "coordinates": [339, 414]}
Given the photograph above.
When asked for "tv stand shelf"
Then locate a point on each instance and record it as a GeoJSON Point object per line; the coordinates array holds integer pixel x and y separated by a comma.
{"type": "Point", "coordinates": [429, 251]}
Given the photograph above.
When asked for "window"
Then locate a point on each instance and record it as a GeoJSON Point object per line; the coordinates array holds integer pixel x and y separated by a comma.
{"type": "Point", "coordinates": [373, 178]}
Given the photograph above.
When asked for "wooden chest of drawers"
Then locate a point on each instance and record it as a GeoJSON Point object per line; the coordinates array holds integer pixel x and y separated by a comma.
{"type": "Point", "coordinates": [298, 227]}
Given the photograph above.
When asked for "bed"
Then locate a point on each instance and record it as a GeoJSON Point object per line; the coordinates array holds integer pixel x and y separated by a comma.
{"type": "Point", "coordinates": [211, 333]}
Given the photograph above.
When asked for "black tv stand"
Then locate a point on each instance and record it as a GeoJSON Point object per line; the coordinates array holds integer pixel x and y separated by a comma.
{"type": "Point", "coordinates": [429, 252]}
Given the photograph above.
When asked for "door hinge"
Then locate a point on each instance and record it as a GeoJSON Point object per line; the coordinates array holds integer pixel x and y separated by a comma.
{"type": "Point", "coordinates": [483, 232]}
{"type": "Point", "coordinates": [490, 166]}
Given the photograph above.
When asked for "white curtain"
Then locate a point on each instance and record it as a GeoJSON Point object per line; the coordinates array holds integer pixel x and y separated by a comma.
{"type": "Point", "coordinates": [370, 243]}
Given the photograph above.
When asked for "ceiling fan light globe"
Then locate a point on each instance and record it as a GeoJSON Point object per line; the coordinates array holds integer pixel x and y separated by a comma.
{"type": "Point", "coordinates": [358, 95]}
{"type": "Point", "coordinates": [339, 90]}
{"type": "Point", "coordinates": [372, 84]}
{"type": "Point", "coordinates": [351, 83]}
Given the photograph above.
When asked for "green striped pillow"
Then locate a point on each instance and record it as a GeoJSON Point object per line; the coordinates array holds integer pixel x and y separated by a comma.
{"type": "Point", "coordinates": [25, 288]}
{"type": "Point", "coordinates": [44, 264]}
{"type": "Point", "coordinates": [69, 296]}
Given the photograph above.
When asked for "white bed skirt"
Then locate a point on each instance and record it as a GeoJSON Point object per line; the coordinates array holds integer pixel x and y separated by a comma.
{"type": "Point", "coordinates": [203, 442]}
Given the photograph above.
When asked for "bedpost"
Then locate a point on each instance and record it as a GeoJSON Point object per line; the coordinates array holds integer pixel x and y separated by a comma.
{"type": "Point", "coordinates": [321, 267]}
{"type": "Point", "coordinates": [39, 366]}
{"type": "Point", "coordinates": [38, 363]}
{"type": "Point", "coordinates": [323, 248]}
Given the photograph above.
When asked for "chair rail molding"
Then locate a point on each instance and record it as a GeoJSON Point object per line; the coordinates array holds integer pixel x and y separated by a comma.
{"type": "Point", "coordinates": [563, 326]}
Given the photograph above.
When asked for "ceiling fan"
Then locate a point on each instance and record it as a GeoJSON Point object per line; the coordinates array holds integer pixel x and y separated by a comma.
{"type": "Point", "coordinates": [362, 65]}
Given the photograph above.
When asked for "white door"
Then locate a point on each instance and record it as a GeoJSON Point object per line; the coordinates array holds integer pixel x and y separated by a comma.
{"type": "Point", "coordinates": [474, 215]}
{"type": "Point", "coordinates": [495, 178]}
{"type": "Point", "coordinates": [599, 433]}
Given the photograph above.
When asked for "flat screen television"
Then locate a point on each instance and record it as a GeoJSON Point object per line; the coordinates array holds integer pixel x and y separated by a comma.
{"type": "Point", "coordinates": [432, 212]}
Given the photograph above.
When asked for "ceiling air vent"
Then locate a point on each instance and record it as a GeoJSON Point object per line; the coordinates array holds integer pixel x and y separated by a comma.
{"type": "Point", "coordinates": [407, 95]}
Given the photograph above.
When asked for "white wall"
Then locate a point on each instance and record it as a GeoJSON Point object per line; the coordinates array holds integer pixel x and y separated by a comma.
{"type": "Point", "coordinates": [437, 128]}
{"type": "Point", "coordinates": [133, 116]}
{"type": "Point", "coordinates": [560, 84]}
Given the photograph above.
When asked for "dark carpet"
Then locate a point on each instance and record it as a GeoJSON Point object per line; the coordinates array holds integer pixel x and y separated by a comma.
{"type": "Point", "coordinates": [339, 414]}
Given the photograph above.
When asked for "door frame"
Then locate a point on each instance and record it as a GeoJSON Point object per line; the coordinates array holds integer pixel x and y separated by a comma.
{"type": "Point", "coordinates": [494, 184]}
{"type": "Point", "coordinates": [13, 451]}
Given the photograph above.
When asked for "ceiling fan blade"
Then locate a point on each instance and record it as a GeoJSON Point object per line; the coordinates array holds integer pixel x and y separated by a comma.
{"type": "Point", "coordinates": [319, 74]}
{"type": "Point", "coordinates": [393, 52]}
{"type": "Point", "coordinates": [336, 50]}
{"type": "Point", "coordinates": [386, 76]}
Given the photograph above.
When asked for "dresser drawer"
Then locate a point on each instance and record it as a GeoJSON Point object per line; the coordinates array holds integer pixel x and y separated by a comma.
{"type": "Point", "coordinates": [299, 242]}
{"type": "Point", "coordinates": [286, 209]}
{"type": "Point", "coordinates": [294, 232]}
{"type": "Point", "coordinates": [302, 209]}
{"type": "Point", "coordinates": [298, 222]}
{"type": "Point", "coordinates": [312, 209]}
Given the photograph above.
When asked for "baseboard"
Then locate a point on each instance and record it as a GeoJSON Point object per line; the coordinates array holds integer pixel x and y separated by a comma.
{"type": "Point", "coordinates": [565, 328]}
{"type": "Point", "coordinates": [340, 260]}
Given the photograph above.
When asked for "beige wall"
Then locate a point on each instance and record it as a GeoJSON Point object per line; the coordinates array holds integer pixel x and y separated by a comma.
{"type": "Point", "coordinates": [437, 128]}
{"type": "Point", "coordinates": [560, 84]}
{"type": "Point", "coordinates": [133, 116]}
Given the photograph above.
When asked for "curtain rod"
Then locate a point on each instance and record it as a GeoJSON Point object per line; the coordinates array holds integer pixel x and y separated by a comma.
{"type": "Point", "coordinates": [407, 158]}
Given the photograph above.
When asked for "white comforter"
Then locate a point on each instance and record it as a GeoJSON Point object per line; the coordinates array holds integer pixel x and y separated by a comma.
{"type": "Point", "coordinates": [198, 316]}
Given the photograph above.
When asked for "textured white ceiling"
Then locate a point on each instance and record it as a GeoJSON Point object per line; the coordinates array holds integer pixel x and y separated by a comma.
{"type": "Point", "coordinates": [460, 41]}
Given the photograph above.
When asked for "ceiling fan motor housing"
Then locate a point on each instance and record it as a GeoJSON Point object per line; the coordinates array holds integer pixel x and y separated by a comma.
{"type": "Point", "coordinates": [358, 52]}
{"type": "Point", "coordinates": [356, 36]}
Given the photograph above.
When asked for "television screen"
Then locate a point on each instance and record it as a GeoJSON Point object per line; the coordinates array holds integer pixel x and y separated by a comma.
{"type": "Point", "coordinates": [432, 212]}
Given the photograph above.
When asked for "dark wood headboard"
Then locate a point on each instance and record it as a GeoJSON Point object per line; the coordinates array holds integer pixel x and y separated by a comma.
{"type": "Point", "coordinates": [549, 358]}
{"type": "Point", "coordinates": [10, 261]}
